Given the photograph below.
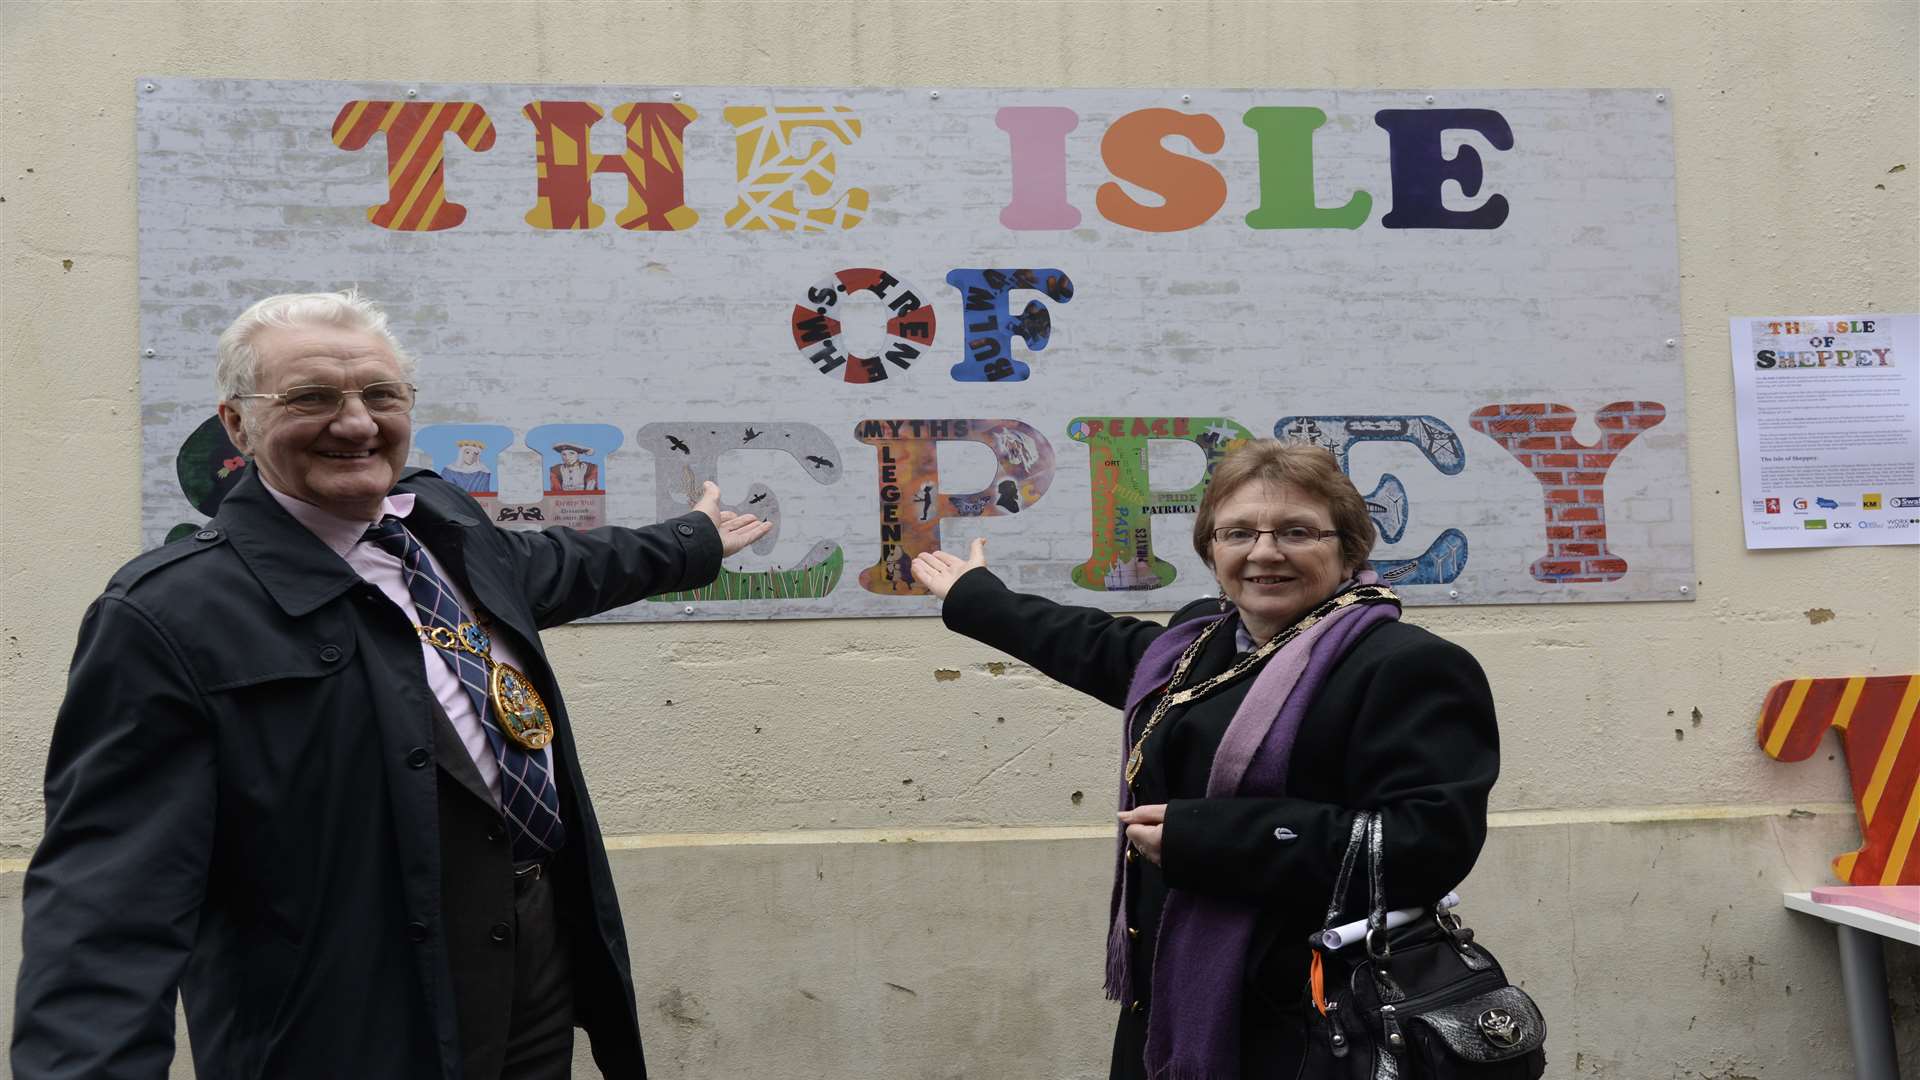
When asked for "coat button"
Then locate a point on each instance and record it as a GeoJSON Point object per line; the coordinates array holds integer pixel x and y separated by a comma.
{"type": "Point", "coordinates": [1136, 1006]}
{"type": "Point", "coordinates": [497, 832]}
{"type": "Point", "coordinates": [500, 932]}
{"type": "Point", "coordinates": [1133, 933]}
{"type": "Point", "coordinates": [683, 529]}
{"type": "Point", "coordinates": [207, 534]}
{"type": "Point", "coordinates": [418, 757]}
{"type": "Point", "coordinates": [329, 653]}
{"type": "Point", "coordinates": [416, 932]}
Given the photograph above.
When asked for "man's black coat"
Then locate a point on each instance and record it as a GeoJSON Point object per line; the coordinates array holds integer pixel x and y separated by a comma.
{"type": "Point", "coordinates": [242, 801]}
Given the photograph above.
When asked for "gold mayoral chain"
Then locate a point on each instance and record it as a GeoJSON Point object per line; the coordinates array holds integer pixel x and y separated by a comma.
{"type": "Point", "coordinates": [516, 704]}
{"type": "Point", "coordinates": [1137, 757]}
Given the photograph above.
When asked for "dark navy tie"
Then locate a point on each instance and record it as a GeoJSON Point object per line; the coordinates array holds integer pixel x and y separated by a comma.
{"type": "Point", "coordinates": [527, 793]}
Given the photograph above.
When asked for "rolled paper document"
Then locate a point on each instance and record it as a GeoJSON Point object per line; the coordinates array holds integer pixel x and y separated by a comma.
{"type": "Point", "coordinates": [1342, 936]}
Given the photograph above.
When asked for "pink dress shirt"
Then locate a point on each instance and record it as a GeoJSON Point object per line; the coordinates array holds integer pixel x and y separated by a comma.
{"type": "Point", "coordinates": [382, 569]}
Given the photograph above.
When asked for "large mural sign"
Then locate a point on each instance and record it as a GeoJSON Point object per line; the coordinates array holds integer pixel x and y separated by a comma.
{"type": "Point", "coordinates": [892, 320]}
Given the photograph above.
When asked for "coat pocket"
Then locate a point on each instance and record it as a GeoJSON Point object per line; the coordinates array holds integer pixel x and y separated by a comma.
{"type": "Point", "coordinates": [313, 649]}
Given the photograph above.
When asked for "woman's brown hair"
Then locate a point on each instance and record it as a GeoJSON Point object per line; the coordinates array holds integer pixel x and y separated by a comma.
{"type": "Point", "coordinates": [1310, 468]}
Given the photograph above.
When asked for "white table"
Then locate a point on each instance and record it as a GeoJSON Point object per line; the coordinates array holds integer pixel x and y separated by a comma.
{"type": "Point", "coordinates": [1863, 976]}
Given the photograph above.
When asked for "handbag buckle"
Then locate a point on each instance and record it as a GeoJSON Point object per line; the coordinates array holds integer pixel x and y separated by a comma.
{"type": "Point", "coordinates": [1497, 1027]}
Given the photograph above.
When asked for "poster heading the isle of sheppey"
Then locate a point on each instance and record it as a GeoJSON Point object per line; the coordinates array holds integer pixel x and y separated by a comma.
{"type": "Point", "coordinates": [895, 319]}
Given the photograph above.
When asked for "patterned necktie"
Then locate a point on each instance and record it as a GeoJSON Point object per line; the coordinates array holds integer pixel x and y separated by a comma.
{"type": "Point", "coordinates": [527, 793]}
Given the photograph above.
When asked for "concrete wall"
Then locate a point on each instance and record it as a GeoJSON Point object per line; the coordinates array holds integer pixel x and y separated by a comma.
{"type": "Point", "coordinates": [837, 865]}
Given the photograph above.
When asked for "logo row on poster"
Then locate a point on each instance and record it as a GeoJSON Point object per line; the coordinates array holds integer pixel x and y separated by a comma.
{"type": "Point", "coordinates": [1869, 502]}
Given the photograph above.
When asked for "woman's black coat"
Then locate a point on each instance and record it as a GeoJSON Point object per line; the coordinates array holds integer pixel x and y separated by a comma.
{"type": "Point", "coordinates": [1403, 724]}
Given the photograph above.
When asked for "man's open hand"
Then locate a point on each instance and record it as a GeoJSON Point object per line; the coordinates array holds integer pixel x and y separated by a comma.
{"type": "Point", "coordinates": [737, 531]}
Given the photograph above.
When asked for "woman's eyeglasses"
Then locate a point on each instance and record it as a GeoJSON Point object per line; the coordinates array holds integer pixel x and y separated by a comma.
{"type": "Point", "coordinates": [1293, 537]}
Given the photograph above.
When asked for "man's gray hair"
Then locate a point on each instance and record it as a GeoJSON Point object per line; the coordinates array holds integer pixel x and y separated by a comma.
{"type": "Point", "coordinates": [240, 361]}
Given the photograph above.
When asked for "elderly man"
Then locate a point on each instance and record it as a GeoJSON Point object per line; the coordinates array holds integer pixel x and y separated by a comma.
{"type": "Point", "coordinates": [313, 768]}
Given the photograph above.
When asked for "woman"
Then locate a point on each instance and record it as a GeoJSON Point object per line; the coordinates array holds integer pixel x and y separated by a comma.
{"type": "Point", "coordinates": [1257, 725]}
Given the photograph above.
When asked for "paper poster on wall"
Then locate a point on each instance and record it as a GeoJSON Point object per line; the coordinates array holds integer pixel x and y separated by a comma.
{"type": "Point", "coordinates": [892, 320]}
{"type": "Point", "coordinates": [1828, 410]}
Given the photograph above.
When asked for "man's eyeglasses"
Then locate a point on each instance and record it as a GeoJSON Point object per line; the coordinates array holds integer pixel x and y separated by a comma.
{"type": "Point", "coordinates": [380, 397]}
{"type": "Point", "coordinates": [1292, 538]}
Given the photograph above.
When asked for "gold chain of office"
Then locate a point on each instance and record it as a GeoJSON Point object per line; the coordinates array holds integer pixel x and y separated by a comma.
{"type": "Point", "coordinates": [1137, 756]}
{"type": "Point", "coordinates": [517, 706]}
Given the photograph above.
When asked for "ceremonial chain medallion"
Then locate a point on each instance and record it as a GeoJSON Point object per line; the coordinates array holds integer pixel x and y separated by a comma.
{"type": "Point", "coordinates": [522, 713]}
{"type": "Point", "coordinates": [517, 706]}
{"type": "Point", "coordinates": [1173, 696]}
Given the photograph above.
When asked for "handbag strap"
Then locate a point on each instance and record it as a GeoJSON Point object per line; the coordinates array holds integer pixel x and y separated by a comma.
{"type": "Point", "coordinates": [1376, 858]}
{"type": "Point", "coordinates": [1377, 891]}
{"type": "Point", "coordinates": [1356, 843]}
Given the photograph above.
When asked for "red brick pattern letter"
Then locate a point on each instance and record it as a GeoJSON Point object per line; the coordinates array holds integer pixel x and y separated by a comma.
{"type": "Point", "coordinates": [1572, 475]}
{"type": "Point", "coordinates": [416, 154]}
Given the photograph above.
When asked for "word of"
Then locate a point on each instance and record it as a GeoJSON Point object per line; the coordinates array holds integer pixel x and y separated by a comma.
{"type": "Point", "coordinates": [991, 324]}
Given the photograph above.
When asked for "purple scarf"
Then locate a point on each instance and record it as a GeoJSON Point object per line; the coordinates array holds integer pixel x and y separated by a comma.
{"type": "Point", "coordinates": [1193, 1030]}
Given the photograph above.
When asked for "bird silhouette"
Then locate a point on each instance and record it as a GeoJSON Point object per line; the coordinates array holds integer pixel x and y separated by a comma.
{"type": "Point", "coordinates": [678, 445]}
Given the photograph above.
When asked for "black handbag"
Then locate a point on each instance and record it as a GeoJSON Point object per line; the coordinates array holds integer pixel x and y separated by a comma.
{"type": "Point", "coordinates": [1421, 1002]}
